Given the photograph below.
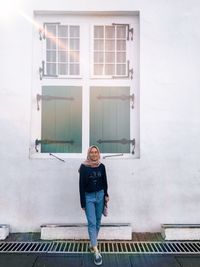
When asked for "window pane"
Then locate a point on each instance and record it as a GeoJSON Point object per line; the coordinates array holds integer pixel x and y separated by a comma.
{"type": "Point", "coordinates": [121, 69]}
{"type": "Point", "coordinates": [63, 44]}
{"type": "Point", "coordinates": [109, 69]}
{"type": "Point", "coordinates": [110, 45]}
{"type": "Point", "coordinates": [121, 57]}
{"type": "Point", "coordinates": [98, 31]}
{"type": "Point", "coordinates": [98, 69]}
{"type": "Point", "coordinates": [51, 43]}
{"type": "Point", "coordinates": [50, 31]}
{"type": "Point", "coordinates": [62, 31]}
{"type": "Point", "coordinates": [98, 57]}
{"type": "Point", "coordinates": [74, 44]}
{"type": "Point", "coordinates": [62, 56]}
{"type": "Point", "coordinates": [110, 31]}
{"type": "Point", "coordinates": [121, 45]}
{"type": "Point", "coordinates": [62, 119]}
{"type": "Point", "coordinates": [121, 31]}
{"type": "Point", "coordinates": [51, 56]}
{"type": "Point", "coordinates": [74, 56]}
{"type": "Point", "coordinates": [98, 45]}
{"type": "Point", "coordinates": [110, 58]}
{"type": "Point", "coordinates": [51, 69]}
{"type": "Point", "coordinates": [62, 69]}
{"type": "Point", "coordinates": [110, 118]}
{"type": "Point", "coordinates": [74, 69]}
{"type": "Point", "coordinates": [74, 31]}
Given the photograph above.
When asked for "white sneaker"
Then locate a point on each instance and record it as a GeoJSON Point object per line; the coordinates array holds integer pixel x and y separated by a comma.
{"type": "Point", "coordinates": [97, 258]}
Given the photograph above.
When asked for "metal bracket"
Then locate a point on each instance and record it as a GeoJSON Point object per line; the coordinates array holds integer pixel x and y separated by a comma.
{"type": "Point", "coordinates": [42, 72]}
{"type": "Point", "coordinates": [122, 97]}
{"type": "Point", "coordinates": [129, 30]}
{"type": "Point", "coordinates": [41, 33]}
{"type": "Point", "coordinates": [122, 141]}
{"type": "Point", "coordinates": [130, 71]}
{"type": "Point", "coordinates": [49, 98]}
{"type": "Point", "coordinates": [48, 141]}
{"type": "Point", "coordinates": [114, 155]}
{"type": "Point", "coordinates": [128, 75]}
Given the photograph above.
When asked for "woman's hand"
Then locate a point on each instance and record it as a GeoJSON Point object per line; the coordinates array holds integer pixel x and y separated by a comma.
{"type": "Point", "coordinates": [106, 198]}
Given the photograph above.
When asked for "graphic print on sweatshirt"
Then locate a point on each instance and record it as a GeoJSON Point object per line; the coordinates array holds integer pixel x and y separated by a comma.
{"type": "Point", "coordinates": [94, 176]}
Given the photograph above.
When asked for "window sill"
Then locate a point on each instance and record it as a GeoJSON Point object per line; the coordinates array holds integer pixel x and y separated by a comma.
{"type": "Point", "coordinates": [63, 156]}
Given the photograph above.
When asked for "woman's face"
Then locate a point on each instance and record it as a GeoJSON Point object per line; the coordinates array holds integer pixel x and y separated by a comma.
{"type": "Point", "coordinates": [94, 154]}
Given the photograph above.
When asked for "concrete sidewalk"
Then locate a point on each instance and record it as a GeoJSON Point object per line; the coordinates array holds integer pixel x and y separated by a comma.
{"type": "Point", "coordinates": [109, 260]}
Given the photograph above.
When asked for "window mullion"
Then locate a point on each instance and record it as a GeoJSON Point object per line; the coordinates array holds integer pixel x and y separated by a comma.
{"type": "Point", "coordinates": [115, 50]}
{"type": "Point", "coordinates": [56, 37]}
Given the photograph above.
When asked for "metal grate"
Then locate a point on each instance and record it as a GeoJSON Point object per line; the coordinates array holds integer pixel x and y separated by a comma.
{"type": "Point", "coordinates": [24, 247]}
{"type": "Point", "coordinates": [104, 247]}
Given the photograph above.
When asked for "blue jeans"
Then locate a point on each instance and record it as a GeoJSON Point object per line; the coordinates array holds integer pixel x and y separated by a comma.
{"type": "Point", "coordinates": [93, 210]}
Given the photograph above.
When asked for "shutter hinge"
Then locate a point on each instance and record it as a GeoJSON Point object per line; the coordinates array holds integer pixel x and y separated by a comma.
{"type": "Point", "coordinates": [121, 97]}
{"type": "Point", "coordinates": [48, 142]}
{"type": "Point", "coordinates": [42, 33]}
{"type": "Point", "coordinates": [49, 97]}
{"type": "Point", "coordinates": [122, 141]}
{"type": "Point", "coordinates": [130, 71]}
{"type": "Point", "coordinates": [41, 71]}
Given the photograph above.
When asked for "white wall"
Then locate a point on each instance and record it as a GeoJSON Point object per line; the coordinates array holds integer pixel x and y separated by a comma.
{"type": "Point", "coordinates": [160, 187]}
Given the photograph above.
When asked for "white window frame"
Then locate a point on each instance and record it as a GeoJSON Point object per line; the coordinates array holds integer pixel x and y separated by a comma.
{"type": "Point", "coordinates": [58, 76]}
{"type": "Point", "coordinates": [92, 68]}
{"type": "Point", "coordinates": [86, 20]}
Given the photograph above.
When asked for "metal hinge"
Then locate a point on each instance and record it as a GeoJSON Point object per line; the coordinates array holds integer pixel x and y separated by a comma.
{"type": "Point", "coordinates": [49, 98]}
{"type": "Point", "coordinates": [43, 32]}
{"type": "Point", "coordinates": [121, 97]}
{"type": "Point", "coordinates": [129, 30]}
{"type": "Point", "coordinates": [42, 72]}
{"type": "Point", "coordinates": [129, 72]}
{"type": "Point", "coordinates": [122, 141]}
{"type": "Point", "coordinates": [48, 141]}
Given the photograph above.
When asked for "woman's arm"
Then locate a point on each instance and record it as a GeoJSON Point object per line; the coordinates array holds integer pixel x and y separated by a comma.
{"type": "Point", "coordinates": [105, 185]}
{"type": "Point", "coordinates": [81, 186]}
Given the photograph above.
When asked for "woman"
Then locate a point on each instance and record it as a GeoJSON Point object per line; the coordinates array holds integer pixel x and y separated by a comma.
{"type": "Point", "coordinates": [93, 196]}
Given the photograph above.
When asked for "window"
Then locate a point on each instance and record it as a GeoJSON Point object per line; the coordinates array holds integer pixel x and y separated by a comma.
{"type": "Point", "coordinates": [61, 50]}
{"type": "Point", "coordinates": [87, 90]}
{"type": "Point", "coordinates": [110, 50]}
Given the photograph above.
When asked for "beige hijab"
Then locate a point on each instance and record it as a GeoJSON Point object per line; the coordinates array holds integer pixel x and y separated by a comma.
{"type": "Point", "coordinates": [90, 163]}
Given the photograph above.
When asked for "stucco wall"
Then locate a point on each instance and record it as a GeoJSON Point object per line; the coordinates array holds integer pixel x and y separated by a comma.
{"type": "Point", "coordinates": [162, 186]}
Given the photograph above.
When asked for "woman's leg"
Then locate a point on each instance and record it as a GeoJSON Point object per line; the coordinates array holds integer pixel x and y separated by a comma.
{"type": "Point", "coordinates": [91, 218]}
{"type": "Point", "coordinates": [99, 209]}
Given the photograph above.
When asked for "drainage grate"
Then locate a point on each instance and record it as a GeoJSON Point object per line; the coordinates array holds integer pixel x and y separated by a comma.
{"type": "Point", "coordinates": [24, 247]}
{"type": "Point", "coordinates": [105, 247]}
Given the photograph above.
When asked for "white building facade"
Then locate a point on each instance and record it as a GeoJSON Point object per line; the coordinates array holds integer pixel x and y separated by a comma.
{"type": "Point", "coordinates": [120, 74]}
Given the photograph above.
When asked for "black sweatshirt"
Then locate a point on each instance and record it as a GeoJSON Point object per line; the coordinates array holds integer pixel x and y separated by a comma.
{"type": "Point", "coordinates": [92, 179]}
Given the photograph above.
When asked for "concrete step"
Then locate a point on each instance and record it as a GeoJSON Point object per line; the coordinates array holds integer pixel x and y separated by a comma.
{"type": "Point", "coordinates": [115, 231]}
{"type": "Point", "coordinates": [4, 231]}
{"type": "Point", "coordinates": [180, 231]}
